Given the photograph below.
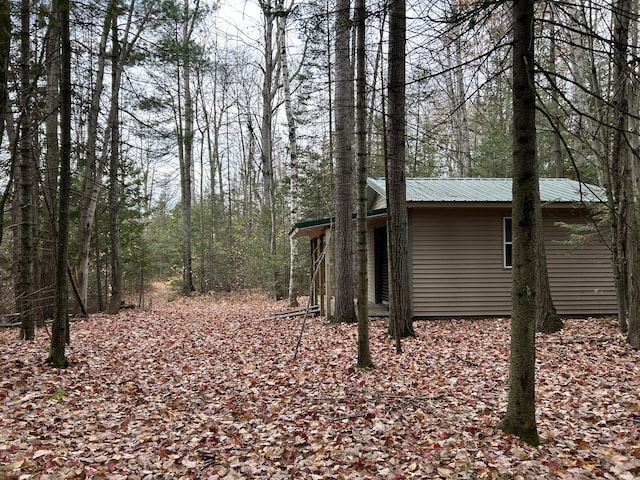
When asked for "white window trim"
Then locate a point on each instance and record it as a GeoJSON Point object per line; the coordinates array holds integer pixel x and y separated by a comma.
{"type": "Point", "coordinates": [505, 242]}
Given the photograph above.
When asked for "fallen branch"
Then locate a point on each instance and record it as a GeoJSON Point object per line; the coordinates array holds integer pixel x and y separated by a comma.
{"type": "Point", "coordinates": [295, 313]}
{"type": "Point", "coordinates": [568, 341]}
{"type": "Point", "coordinates": [468, 362]}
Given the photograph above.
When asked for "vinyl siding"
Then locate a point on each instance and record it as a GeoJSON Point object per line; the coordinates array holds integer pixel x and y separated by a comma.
{"type": "Point", "coordinates": [581, 277]}
{"type": "Point", "coordinates": [457, 265]}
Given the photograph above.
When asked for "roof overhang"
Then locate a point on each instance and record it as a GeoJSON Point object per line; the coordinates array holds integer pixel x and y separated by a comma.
{"type": "Point", "coordinates": [315, 228]}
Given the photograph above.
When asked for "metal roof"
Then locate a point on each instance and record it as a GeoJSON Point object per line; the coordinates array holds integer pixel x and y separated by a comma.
{"type": "Point", "coordinates": [557, 190]}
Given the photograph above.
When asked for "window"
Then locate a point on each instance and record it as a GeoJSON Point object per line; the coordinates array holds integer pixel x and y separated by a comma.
{"type": "Point", "coordinates": [508, 245]}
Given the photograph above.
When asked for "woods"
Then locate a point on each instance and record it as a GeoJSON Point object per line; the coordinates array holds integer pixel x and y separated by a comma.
{"type": "Point", "coordinates": [185, 141]}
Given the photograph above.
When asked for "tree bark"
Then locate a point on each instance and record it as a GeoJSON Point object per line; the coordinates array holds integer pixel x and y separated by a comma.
{"type": "Point", "coordinates": [294, 168]}
{"type": "Point", "coordinates": [624, 209]}
{"type": "Point", "coordinates": [344, 136]}
{"type": "Point", "coordinates": [60, 335]}
{"type": "Point", "coordinates": [186, 148]}
{"type": "Point", "coordinates": [5, 44]}
{"type": "Point", "coordinates": [520, 418]}
{"type": "Point", "coordinates": [94, 167]}
{"type": "Point", "coordinates": [364, 352]}
{"type": "Point", "coordinates": [25, 193]}
{"type": "Point", "coordinates": [400, 311]}
{"type": "Point", "coordinates": [547, 318]}
{"type": "Point", "coordinates": [269, 88]}
{"type": "Point", "coordinates": [51, 167]}
{"type": "Point", "coordinates": [117, 281]}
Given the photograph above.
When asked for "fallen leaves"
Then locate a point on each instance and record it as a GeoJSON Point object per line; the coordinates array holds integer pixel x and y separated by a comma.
{"type": "Point", "coordinates": [207, 388]}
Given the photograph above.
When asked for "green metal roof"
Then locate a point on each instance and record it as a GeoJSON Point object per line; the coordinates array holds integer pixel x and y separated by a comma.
{"type": "Point", "coordinates": [560, 190]}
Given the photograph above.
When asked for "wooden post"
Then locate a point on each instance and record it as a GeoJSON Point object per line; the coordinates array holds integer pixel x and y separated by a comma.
{"type": "Point", "coordinates": [328, 271]}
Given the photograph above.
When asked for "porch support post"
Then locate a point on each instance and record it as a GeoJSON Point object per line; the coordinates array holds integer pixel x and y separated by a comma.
{"type": "Point", "coordinates": [328, 272]}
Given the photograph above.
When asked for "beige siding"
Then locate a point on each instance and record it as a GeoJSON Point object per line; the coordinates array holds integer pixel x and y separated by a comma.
{"type": "Point", "coordinates": [457, 265]}
{"type": "Point", "coordinates": [581, 276]}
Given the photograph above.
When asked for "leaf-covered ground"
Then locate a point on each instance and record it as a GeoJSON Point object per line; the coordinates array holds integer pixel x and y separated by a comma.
{"type": "Point", "coordinates": [208, 388]}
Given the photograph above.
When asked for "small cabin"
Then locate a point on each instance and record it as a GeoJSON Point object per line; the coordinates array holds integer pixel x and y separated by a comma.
{"type": "Point", "coordinates": [459, 234]}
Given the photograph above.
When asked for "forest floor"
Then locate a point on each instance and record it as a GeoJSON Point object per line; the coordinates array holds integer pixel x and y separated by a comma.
{"type": "Point", "coordinates": [208, 388]}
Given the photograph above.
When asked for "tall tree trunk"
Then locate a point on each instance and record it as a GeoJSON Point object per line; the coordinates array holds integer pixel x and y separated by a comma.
{"type": "Point", "coordinates": [94, 167]}
{"type": "Point", "coordinates": [117, 282]}
{"type": "Point", "coordinates": [294, 168]}
{"type": "Point", "coordinates": [25, 282]}
{"type": "Point", "coordinates": [185, 147]}
{"type": "Point", "coordinates": [547, 318]}
{"type": "Point", "coordinates": [364, 352]}
{"type": "Point", "coordinates": [5, 49]}
{"type": "Point", "coordinates": [5, 44]}
{"type": "Point", "coordinates": [457, 96]}
{"type": "Point", "coordinates": [344, 310]}
{"type": "Point", "coordinates": [625, 212]}
{"type": "Point", "coordinates": [520, 418]}
{"type": "Point", "coordinates": [555, 116]}
{"type": "Point", "coordinates": [60, 328]}
{"type": "Point", "coordinates": [52, 164]}
{"type": "Point", "coordinates": [269, 87]}
{"type": "Point", "coordinates": [400, 311]}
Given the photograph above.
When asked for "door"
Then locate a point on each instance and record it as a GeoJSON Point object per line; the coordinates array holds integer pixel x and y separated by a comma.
{"type": "Point", "coordinates": [381, 265]}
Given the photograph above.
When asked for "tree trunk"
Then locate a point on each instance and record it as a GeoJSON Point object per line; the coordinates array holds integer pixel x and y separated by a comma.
{"type": "Point", "coordinates": [269, 88]}
{"type": "Point", "coordinates": [94, 167]}
{"type": "Point", "coordinates": [547, 318]}
{"type": "Point", "coordinates": [294, 197]}
{"type": "Point", "coordinates": [50, 177]}
{"type": "Point", "coordinates": [364, 352]}
{"type": "Point", "coordinates": [5, 49]}
{"type": "Point", "coordinates": [400, 311]}
{"type": "Point", "coordinates": [520, 418]}
{"type": "Point", "coordinates": [185, 146]}
{"type": "Point", "coordinates": [5, 44]}
{"type": "Point", "coordinates": [60, 328]}
{"type": "Point", "coordinates": [117, 282]}
{"type": "Point", "coordinates": [26, 255]}
{"type": "Point", "coordinates": [457, 96]}
{"type": "Point", "coordinates": [344, 310]}
{"type": "Point", "coordinates": [625, 211]}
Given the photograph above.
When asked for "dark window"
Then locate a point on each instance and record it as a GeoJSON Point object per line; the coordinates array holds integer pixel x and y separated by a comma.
{"type": "Point", "coordinates": [508, 246]}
